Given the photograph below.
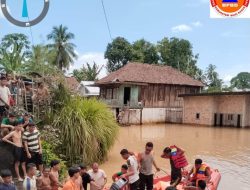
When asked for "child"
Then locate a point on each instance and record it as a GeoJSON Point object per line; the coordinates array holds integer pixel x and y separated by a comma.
{"type": "Point", "coordinates": [19, 155]}
{"type": "Point", "coordinates": [7, 180]}
{"type": "Point", "coordinates": [124, 169]}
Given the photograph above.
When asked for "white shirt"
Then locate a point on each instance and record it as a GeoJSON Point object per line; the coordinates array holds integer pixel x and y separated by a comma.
{"type": "Point", "coordinates": [133, 166]}
{"type": "Point", "coordinates": [29, 183]}
{"type": "Point", "coordinates": [98, 177]}
{"type": "Point", "coordinates": [4, 94]}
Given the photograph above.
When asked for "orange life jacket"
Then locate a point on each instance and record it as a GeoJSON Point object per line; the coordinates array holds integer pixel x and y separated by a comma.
{"type": "Point", "coordinates": [200, 174]}
{"type": "Point", "coordinates": [179, 159]}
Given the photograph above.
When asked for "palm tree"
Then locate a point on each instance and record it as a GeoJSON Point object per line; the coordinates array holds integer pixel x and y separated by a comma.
{"type": "Point", "coordinates": [14, 52]}
{"type": "Point", "coordinates": [92, 73]}
{"type": "Point", "coordinates": [64, 49]}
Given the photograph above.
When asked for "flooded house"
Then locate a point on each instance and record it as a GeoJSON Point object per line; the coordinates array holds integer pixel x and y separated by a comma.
{"type": "Point", "coordinates": [142, 93]}
{"type": "Point", "coordinates": [217, 109]}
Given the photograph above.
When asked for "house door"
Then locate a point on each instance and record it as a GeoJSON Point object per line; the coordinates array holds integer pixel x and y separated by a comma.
{"type": "Point", "coordinates": [215, 119]}
{"type": "Point", "coordinates": [127, 91]}
{"type": "Point", "coordinates": [238, 121]}
{"type": "Point", "coordinates": [221, 119]}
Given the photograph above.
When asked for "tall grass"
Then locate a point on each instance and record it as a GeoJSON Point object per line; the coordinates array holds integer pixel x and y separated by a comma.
{"type": "Point", "coordinates": [87, 129]}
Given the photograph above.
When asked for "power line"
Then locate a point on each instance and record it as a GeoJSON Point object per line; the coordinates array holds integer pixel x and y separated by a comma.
{"type": "Point", "coordinates": [106, 18]}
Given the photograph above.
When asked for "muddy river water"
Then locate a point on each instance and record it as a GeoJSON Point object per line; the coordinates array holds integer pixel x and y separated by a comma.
{"type": "Point", "coordinates": [227, 149]}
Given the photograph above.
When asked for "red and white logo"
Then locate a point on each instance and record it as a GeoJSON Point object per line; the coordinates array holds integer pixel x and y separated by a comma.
{"type": "Point", "coordinates": [229, 9]}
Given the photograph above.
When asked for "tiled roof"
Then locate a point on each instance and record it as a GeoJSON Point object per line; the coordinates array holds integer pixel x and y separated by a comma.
{"type": "Point", "coordinates": [152, 74]}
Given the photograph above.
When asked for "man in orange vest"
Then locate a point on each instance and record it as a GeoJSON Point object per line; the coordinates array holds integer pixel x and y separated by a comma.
{"type": "Point", "coordinates": [200, 171]}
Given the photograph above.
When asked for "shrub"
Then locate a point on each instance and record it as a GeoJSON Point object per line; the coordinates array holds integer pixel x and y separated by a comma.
{"type": "Point", "coordinates": [87, 130]}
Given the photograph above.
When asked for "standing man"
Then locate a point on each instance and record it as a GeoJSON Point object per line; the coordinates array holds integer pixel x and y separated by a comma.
{"type": "Point", "coordinates": [74, 174]}
{"type": "Point", "coordinates": [98, 176]}
{"type": "Point", "coordinates": [29, 182]}
{"type": "Point", "coordinates": [133, 173]}
{"type": "Point", "coordinates": [19, 156]}
{"type": "Point", "coordinates": [54, 174]}
{"type": "Point", "coordinates": [85, 177]}
{"type": "Point", "coordinates": [4, 96]}
{"type": "Point", "coordinates": [146, 162]}
{"type": "Point", "coordinates": [33, 146]}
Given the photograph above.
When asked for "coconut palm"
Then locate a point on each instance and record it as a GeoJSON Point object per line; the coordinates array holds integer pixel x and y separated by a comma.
{"type": "Point", "coordinates": [64, 49]}
{"type": "Point", "coordinates": [14, 52]}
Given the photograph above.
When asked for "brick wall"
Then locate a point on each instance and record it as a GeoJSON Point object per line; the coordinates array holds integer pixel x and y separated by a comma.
{"type": "Point", "coordinates": [201, 109]}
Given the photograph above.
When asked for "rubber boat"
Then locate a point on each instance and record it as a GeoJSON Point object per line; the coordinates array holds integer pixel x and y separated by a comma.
{"type": "Point", "coordinates": [161, 183]}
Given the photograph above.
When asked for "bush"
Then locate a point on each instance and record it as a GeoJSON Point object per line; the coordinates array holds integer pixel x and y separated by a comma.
{"type": "Point", "coordinates": [87, 130]}
{"type": "Point", "coordinates": [49, 155]}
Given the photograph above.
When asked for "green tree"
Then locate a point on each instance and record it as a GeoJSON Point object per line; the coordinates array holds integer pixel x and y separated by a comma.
{"type": "Point", "coordinates": [212, 80]}
{"type": "Point", "coordinates": [87, 73]}
{"type": "Point", "coordinates": [178, 53]}
{"type": "Point", "coordinates": [63, 48]}
{"type": "Point", "coordinates": [14, 51]}
{"type": "Point", "coordinates": [118, 53]}
{"type": "Point", "coordinates": [241, 81]}
{"type": "Point", "coordinates": [145, 52]}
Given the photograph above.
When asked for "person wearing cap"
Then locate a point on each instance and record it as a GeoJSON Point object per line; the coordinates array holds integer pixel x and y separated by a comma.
{"type": "Point", "coordinates": [7, 180]}
{"type": "Point", "coordinates": [72, 184]}
{"type": "Point", "coordinates": [85, 177]}
{"type": "Point", "coordinates": [19, 155]}
{"type": "Point", "coordinates": [54, 174]}
{"type": "Point", "coordinates": [33, 146]}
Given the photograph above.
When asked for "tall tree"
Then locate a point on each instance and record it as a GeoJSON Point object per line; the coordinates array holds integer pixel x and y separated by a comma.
{"type": "Point", "coordinates": [145, 52]}
{"type": "Point", "coordinates": [64, 49]}
{"type": "Point", "coordinates": [14, 51]}
{"type": "Point", "coordinates": [178, 53]}
{"type": "Point", "coordinates": [118, 53]}
{"type": "Point", "coordinates": [212, 80]}
{"type": "Point", "coordinates": [40, 60]}
{"type": "Point", "coordinates": [241, 81]}
{"type": "Point", "coordinates": [88, 72]}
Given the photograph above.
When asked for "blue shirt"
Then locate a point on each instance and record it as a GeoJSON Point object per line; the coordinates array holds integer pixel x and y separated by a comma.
{"type": "Point", "coordinates": [7, 187]}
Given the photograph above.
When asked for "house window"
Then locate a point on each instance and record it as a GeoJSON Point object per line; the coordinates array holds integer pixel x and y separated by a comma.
{"type": "Point", "coordinates": [230, 117]}
{"type": "Point", "coordinates": [109, 94]}
{"type": "Point", "coordinates": [161, 93]}
{"type": "Point", "coordinates": [197, 115]}
{"type": "Point", "coordinates": [115, 93]}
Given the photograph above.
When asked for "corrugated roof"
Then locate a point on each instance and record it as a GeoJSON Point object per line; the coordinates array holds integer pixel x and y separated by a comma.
{"type": "Point", "coordinates": [153, 74]}
{"type": "Point", "coordinates": [92, 90]}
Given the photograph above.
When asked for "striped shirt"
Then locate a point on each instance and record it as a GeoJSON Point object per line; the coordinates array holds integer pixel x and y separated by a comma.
{"type": "Point", "coordinates": [32, 140]}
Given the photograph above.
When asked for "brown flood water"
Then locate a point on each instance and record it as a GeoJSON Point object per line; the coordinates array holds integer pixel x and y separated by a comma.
{"type": "Point", "coordinates": [227, 149]}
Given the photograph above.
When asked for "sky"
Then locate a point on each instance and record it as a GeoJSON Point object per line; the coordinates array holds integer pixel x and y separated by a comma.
{"type": "Point", "coordinates": [222, 42]}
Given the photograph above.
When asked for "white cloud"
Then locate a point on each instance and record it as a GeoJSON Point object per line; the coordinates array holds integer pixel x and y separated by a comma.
{"type": "Point", "coordinates": [181, 28]}
{"type": "Point", "coordinates": [227, 78]}
{"type": "Point", "coordinates": [90, 57]}
{"type": "Point", "coordinates": [197, 24]}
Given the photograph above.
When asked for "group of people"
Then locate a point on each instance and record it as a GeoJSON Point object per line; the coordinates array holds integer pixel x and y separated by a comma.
{"type": "Point", "coordinates": [17, 92]}
{"type": "Point", "coordinates": [140, 169]}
